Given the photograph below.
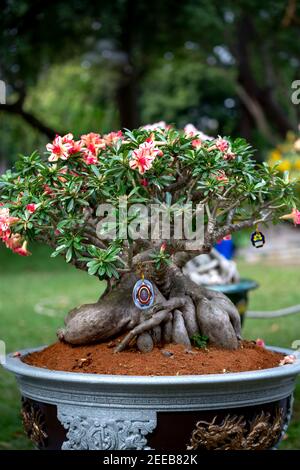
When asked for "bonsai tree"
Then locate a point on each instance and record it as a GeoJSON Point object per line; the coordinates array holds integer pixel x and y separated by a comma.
{"type": "Point", "coordinates": [55, 200]}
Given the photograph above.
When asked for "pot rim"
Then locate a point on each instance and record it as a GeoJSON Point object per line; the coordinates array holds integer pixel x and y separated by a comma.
{"type": "Point", "coordinates": [244, 285]}
{"type": "Point", "coordinates": [15, 365]}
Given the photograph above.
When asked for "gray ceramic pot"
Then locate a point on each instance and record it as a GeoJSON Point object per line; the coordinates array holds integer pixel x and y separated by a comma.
{"type": "Point", "coordinates": [64, 410]}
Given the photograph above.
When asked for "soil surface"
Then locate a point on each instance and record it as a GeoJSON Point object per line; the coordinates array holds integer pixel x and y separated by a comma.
{"type": "Point", "coordinates": [170, 360]}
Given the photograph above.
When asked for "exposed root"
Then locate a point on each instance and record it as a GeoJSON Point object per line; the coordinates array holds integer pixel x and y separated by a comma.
{"type": "Point", "coordinates": [144, 342]}
{"type": "Point", "coordinates": [189, 315]}
{"type": "Point", "coordinates": [185, 310]}
{"type": "Point", "coordinates": [215, 324]}
{"type": "Point", "coordinates": [167, 328]}
{"type": "Point", "coordinates": [156, 334]}
{"type": "Point", "coordinates": [179, 333]}
{"type": "Point", "coordinates": [146, 325]}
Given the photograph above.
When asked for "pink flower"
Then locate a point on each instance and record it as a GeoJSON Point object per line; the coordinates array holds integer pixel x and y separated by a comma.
{"type": "Point", "coordinates": [294, 216]}
{"type": "Point", "coordinates": [22, 250]}
{"type": "Point", "coordinates": [92, 139]}
{"type": "Point", "coordinates": [196, 143]}
{"type": "Point", "coordinates": [143, 157]}
{"type": "Point", "coordinates": [59, 149]}
{"type": "Point", "coordinates": [290, 359]}
{"type": "Point", "coordinates": [222, 144]}
{"type": "Point", "coordinates": [14, 241]}
{"type": "Point", "coordinates": [229, 156]}
{"type": "Point", "coordinates": [5, 234]}
{"type": "Point", "coordinates": [31, 208]}
{"type": "Point", "coordinates": [92, 144]}
{"type": "Point", "coordinates": [76, 147]}
{"type": "Point", "coordinates": [67, 138]}
{"type": "Point", "coordinates": [112, 137]}
{"type": "Point", "coordinates": [260, 342]}
{"type": "Point", "coordinates": [5, 223]}
{"type": "Point", "coordinates": [144, 182]}
{"type": "Point", "coordinates": [191, 131]}
{"type": "Point", "coordinates": [221, 176]}
{"type": "Point", "coordinates": [163, 247]}
{"type": "Point", "coordinates": [47, 190]}
{"type": "Point", "coordinates": [90, 158]}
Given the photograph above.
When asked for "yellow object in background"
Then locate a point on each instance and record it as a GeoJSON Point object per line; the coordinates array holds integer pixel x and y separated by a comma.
{"type": "Point", "coordinates": [286, 155]}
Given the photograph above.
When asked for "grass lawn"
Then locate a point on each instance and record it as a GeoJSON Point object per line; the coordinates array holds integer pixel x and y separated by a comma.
{"type": "Point", "coordinates": [36, 293]}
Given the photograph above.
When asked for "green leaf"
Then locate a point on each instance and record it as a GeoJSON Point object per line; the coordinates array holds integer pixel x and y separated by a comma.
{"type": "Point", "coordinates": [93, 269]}
{"type": "Point", "coordinates": [69, 254]}
{"type": "Point", "coordinates": [70, 205]}
{"type": "Point", "coordinates": [129, 134]}
{"type": "Point", "coordinates": [95, 170]}
{"type": "Point", "coordinates": [59, 249]}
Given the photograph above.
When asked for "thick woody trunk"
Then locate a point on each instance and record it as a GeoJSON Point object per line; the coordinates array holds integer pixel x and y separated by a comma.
{"type": "Point", "coordinates": [181, 310]}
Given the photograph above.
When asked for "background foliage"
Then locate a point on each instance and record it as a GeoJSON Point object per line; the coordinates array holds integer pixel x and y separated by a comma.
{"type": "Point", "coordinates": [77, 65]}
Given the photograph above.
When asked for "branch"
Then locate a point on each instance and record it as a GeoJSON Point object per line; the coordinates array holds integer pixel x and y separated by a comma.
{"type": "Point", "coordinates": [143, 257]}
{"type": "Point", "coordinates": [94, 240]}
{"type": "Point", "coordinates": [17, 109]}
{"type": "Point", "coordinates": [232, 228]}
{"type": "Point", "coordinates": [256, 111]}
{"type": "Point", "coordinates": [232, 206]}
{"type": "Point", "coordinates": [180, 183]}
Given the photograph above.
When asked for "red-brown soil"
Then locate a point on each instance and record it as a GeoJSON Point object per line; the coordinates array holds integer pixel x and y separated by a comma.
{"type": "Point", "coordinates": [171, 360]}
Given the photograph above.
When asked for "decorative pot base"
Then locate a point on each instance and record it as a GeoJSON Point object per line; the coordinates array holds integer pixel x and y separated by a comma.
{"type": "Point", "coordinates": [233, 411]}
{"type": "Point", "coordinates": [251, 428]}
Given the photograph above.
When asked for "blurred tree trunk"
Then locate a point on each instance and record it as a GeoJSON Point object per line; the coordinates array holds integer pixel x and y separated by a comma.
{"type": "Point", "coordinates": [3, 164]}
{"type": "Point", "coordinates": [245, 123]}
{"type": "Point", "coordinates": [127, 90]}
{"type": "Point", "coordinates": [127, 100]}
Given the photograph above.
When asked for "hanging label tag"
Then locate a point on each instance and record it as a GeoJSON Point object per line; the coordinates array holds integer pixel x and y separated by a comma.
{"type": "Point", "coordinates": [143, 294]}
{"type": "Point", "coordinates": [258, 239]}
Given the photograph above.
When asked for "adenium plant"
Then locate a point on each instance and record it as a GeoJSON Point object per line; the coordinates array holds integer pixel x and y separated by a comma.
{"type": "Point", "coordinates": [54, 199]}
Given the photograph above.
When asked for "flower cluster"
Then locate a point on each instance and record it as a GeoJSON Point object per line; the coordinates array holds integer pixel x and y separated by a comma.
{"type": "Point", "coordinates": [13, 241]}
{"type": "Point", "coordinates": [221, 176]}
{"type": "Point", "coordinates": [88, 147]}
{"type": "Point", "coordinates": [191, 131]}
{"type": "Point", "coordinates": [56, 201]}
{"type": "Point", "coordinates": [142, 158]}
{"type": "Point", "coordinates": [220, 144]}
{"type": "Point", "coordinates": [224, 147]}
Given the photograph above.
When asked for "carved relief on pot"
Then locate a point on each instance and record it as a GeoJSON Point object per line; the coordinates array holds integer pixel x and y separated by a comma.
{"type": "Point", "coordinates": [34, 423]}
{"type": "Point", "coordinates": [235, 433]}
